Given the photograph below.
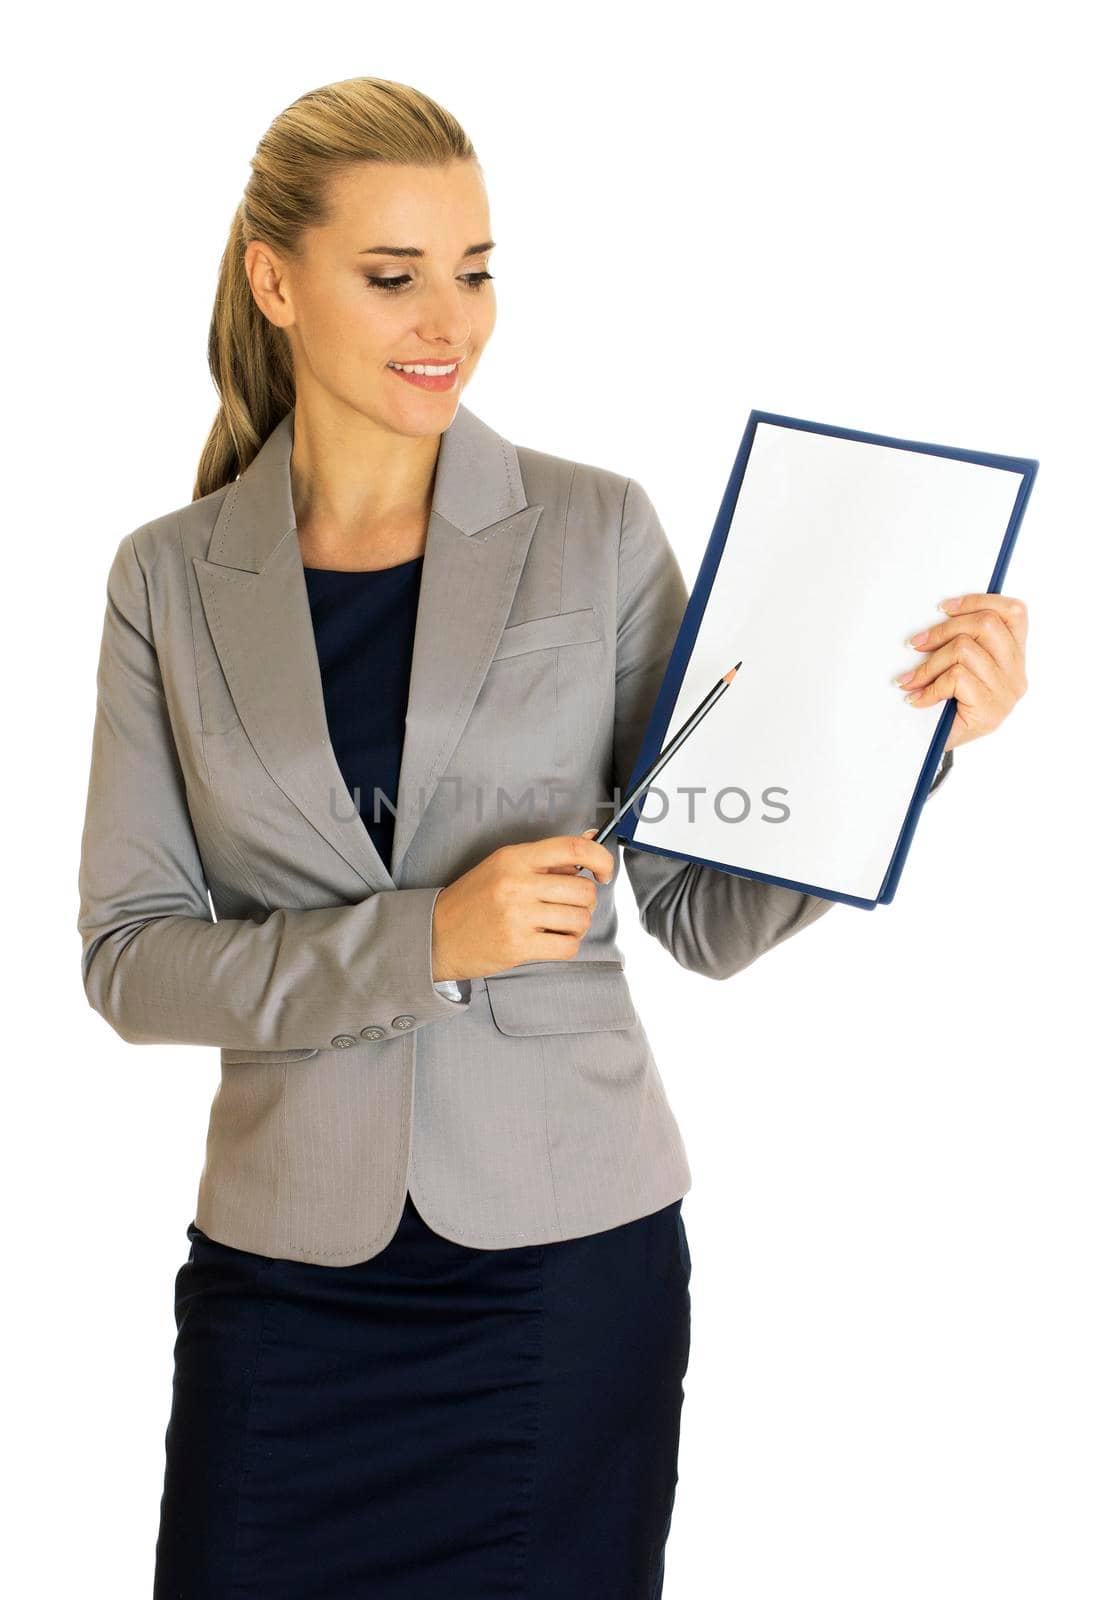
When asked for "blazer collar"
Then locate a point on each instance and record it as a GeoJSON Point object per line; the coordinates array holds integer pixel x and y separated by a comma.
{"type": "Point", "coordinates": [252, 587]}
{"type": "Point", "coordinates": [477, 483]}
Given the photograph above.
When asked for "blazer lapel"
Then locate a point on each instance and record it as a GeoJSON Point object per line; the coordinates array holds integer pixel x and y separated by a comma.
{"type": "Point", "coordinates": [252, 587]}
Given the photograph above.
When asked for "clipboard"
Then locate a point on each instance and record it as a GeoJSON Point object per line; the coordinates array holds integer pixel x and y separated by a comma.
{"type": "Point", "coordinates": [771, 546]}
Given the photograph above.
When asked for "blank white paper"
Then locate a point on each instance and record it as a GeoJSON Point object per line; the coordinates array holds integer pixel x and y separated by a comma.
{"type": "Point", "coordinates": [837, 551]}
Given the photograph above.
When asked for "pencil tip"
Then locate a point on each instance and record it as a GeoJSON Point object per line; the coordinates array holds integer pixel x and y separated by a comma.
{"type": "Point", "coordinates": [727, 677]}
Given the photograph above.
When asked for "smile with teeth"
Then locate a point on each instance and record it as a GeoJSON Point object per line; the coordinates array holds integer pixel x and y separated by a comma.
{"type": "Point", "coordinates": [424, 371]}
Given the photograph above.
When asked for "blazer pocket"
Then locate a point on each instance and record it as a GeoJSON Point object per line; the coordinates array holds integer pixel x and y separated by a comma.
{"type": "Point", "coordinates": [580, 997]}
{"type": "Point", "coordinates": [242, 1058]}
{"type": "Point", "coordinates": [544, 633]}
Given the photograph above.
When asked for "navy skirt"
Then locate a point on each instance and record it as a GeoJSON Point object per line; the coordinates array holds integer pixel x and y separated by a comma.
{"type": "Point", "coordinates": [436, 1423]}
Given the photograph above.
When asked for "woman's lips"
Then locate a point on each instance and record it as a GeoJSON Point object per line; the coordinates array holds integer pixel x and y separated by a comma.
{"type": "Point", "coordinates": [437, 385]}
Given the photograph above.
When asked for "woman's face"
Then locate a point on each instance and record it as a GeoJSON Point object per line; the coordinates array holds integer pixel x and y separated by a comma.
{"type": "Point", "coordinates": [394, 278]}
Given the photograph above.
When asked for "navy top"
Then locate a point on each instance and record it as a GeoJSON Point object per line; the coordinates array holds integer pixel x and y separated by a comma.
{"type": "Point", "coordinates": [364, 624]}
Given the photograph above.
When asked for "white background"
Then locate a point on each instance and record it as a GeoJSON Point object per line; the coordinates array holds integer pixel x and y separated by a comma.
{"type": "Point", "coordinates": [890, 218]}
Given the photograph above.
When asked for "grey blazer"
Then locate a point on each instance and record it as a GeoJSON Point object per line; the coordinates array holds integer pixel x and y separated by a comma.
{"type": "Point", "coordinates": [531, 1109]}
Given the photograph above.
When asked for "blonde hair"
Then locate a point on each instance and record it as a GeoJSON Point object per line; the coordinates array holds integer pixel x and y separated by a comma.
{"type": "Point", "coordinates": [320, 135]}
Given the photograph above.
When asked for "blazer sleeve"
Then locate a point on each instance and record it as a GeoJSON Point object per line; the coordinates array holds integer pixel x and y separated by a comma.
{"type": "Point", "coordinates": [714, 923]}
{"type": "Point", "coordinates": [155, 964]}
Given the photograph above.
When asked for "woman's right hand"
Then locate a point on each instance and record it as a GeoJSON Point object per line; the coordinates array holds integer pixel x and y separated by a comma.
{"type": "Point", "coordinates": [523, 902]}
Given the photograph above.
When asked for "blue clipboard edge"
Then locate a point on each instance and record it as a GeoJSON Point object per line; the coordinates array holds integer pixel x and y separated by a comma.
{"type": "Point", "coordinates": [652, 742]}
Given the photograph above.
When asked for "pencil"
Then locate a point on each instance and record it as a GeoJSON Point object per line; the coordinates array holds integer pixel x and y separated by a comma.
{"type": "Point", "coordinates": [669, 750]}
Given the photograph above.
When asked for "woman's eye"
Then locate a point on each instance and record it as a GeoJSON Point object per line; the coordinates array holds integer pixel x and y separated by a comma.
{"type": "Point", "coordinates": [473, 280]}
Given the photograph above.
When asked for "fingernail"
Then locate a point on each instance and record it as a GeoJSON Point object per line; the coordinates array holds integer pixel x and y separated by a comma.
{"type": "Point", "coordinates": [904, 677]}
{"type": "Point", "coordinates": [913, 696]}
{"type": "Point", "coordinates": [918, 638]}
{"type": "Point", "coordinates": [946, 605]}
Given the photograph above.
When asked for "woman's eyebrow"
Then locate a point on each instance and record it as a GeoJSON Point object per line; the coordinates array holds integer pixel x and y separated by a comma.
{"type": "Point", "coordinates": [411, 250]}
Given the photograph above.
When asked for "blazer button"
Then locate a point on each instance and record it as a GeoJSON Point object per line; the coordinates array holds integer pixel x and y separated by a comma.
{"type": "Point", "coordinates": [343, 1040]}
{"type": "Point", "coordinates": [373, 1032]}
{"type": "Point", "coordinates": [403, 1022]}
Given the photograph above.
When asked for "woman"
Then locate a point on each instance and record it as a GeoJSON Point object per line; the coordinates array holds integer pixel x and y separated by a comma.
{"type": "Point", "coordinates": [434, 1320]}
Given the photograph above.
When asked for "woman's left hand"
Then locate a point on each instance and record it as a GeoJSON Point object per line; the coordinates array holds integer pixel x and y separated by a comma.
{"type": "Point", "coordinates": [977, 657]}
